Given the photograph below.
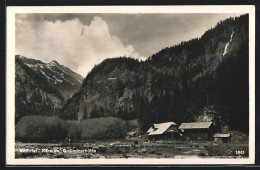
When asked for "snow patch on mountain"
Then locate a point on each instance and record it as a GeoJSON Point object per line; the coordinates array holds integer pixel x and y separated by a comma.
{"type": "Point", "coordinates": [58, 76]}
{"type": "Point", "coordinates": [34, 65]}
{"type": "Point", "coordinates": [30, 65]}
{"type": "Point", "coordinates": [53, 63]}
{"type": "Point", "coordinates": [58, 81]}
{"type": "Point", "coordinates": [45, 75]}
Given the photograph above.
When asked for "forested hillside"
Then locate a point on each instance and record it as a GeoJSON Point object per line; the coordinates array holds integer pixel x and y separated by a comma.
{"type": "Point", "coordinates": [40, 88]}
{"type": "Point", "coordinates": [206, 76]}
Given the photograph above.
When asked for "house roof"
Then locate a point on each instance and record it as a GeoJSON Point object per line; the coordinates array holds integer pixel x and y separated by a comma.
{"type": "Point", "coordinates": [161, 128]}
{"type": "Point", "coordinates": [132, 133]}
{"type": "Point", "coordinates": [150, 130]}
{"type": "Point", "coordinates": [195, 125]}
{"type": "Point", "coordinates": [156, 125]}
{"type": "Point", "coordinates": [221, 135]}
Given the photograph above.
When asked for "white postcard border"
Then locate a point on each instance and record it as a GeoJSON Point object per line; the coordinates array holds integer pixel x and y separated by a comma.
{"type": "Point", "coordinates": [10, 81]}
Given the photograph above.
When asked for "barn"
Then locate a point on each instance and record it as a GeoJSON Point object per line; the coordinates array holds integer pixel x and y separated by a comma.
{"type": "Point", "coordinates": [222, 137]}
{"type": "Point", "coordinates": [198, 130]}
{"type": "Point", "coordinates": [163, 131]}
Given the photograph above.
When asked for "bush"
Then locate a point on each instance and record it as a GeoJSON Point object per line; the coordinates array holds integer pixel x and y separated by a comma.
{"type": "Point", "coordinates": [74, 129]}
{"type": "Point", "coordinates": [133, 124]}
{"type": "Point", "coordinates": [202, 154]}
{"type": "Point", "coordinates": [44, 128]}
{"type": "Point", "coordinates": [103, 128]}
{"type": "Point", "coordinates": [40, 129]}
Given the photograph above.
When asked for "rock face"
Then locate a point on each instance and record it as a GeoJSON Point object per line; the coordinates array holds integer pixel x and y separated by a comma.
{"type": "Point", "coordinates": [174, 84]}
{"type": "Point", "coordinates": [42, 88]}
{"type": "Point", "coordinates": [58, 76]}
{"type": "Point", "coordinates": [108, 91]}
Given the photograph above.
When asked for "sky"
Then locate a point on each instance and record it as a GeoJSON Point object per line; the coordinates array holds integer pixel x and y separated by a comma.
{"type": "Point", "coordinates": [81, 41]}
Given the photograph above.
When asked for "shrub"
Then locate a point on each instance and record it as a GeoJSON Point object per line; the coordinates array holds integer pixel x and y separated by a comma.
{"type": "Point", "coordinates": [40, 128]}
{"type": "Point", "coordinates": [44, 128]}
{"type": "Point", "coordinates": [202, 154]}
{"type": "Point", "coordinates": [74, 129]}
{"type": "Point", "coordinates": [103, 128]}
{"type": "Point", "coordinates": [133, 124]}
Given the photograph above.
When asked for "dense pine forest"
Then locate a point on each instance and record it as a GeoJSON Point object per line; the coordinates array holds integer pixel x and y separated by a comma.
{"type": "Point", "coordinates": [204, 78]}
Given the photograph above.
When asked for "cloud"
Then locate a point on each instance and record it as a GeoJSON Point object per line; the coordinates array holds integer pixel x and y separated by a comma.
{"type": "Point", "coordinates": [149, 33]}
{"type": "Point", "coordinates": [70, 42]}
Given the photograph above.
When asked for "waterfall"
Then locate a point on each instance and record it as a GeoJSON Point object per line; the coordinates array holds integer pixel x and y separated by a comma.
{"type": "Point", "coordinates": [227, 44]}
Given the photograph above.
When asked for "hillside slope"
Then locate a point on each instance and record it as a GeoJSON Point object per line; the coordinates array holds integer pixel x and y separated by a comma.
{"type": "Point", "coordinates": [41, 88]}
{"type": "Point", "coordinates": [175, 84]}
{"type": "Point", "coordinates": [59, 76]}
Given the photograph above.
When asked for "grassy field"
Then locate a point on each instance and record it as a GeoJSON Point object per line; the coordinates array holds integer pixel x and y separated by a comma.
{"type": "Point", "coordinates": [134, 148]}
{"type": "Point", "coordinates": [109, 149]}
{"type": "Point", "coordinates": [105, 138]}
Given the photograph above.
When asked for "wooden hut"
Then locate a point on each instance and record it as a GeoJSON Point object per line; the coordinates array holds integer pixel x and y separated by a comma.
{"type": "Point", "coordinates": [198, 130]}
{"type": "Point", "coordinates": [163, 131]}
{"type": "Point", "coordinates": [223, 137]}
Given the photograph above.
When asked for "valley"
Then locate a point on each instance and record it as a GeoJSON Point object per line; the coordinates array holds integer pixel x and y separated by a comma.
{"type": "Point", "coordinates": [60, 114]}
{"type": "Point", "coordinates": [134, 148]}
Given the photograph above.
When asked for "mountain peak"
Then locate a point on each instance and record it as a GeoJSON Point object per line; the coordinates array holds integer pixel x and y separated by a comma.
{"type": "Point", "coordinates": [19, 56]}
{"type": "Point", "coordinates": [54, 62]}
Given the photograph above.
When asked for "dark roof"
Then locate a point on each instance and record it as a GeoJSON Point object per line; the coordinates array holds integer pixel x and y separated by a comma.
{"type": "Point", "coordinates": [195, 125]}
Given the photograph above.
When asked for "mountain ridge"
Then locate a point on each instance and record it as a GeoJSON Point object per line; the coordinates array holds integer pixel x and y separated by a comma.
{"type": "Point", "coordinates": [175, 84]}
{"type": "Point", "coordinates": [41, 88]}
{"type": "Point", "coordinates": [58, 75]}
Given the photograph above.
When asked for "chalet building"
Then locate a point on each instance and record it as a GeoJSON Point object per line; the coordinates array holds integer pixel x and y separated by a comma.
{"type": "Point", "coordinates": [163, 131]}
{"type": "Point", "coordinates": [198, 130]}
{"type": "Point", "coordinates": [222, 137]}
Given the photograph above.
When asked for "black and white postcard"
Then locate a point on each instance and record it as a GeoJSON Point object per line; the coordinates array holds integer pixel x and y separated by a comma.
{"type": "Point", "coordinates": [130, 85]}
